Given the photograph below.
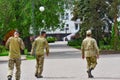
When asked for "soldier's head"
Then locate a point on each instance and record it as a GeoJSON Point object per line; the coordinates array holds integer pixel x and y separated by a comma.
{"type": "Point", "coordinates": [16, 34]}
{"type": "Point", "coordinates": [43, 33]}
{"type": "Point", "coordinates": [88, 33]}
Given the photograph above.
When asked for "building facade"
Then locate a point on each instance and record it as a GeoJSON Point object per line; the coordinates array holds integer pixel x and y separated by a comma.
{"type": "Point", "coordinates": [69, 28]}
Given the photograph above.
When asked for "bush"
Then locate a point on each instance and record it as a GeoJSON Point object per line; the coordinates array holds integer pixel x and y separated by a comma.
{"type": "Point", "coordinates": [105, 47]}
{"type": "Point", "coordinates": [5, 53]}
{"type": "Point", "coordinates": [76, 42]}
{"type": "Point", "coordinates": [51, 39]}
{"type": "Point", "coordinates": [2, 48]}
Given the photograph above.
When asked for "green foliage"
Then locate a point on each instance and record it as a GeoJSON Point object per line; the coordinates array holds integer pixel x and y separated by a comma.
{"type": "Point", "coordinates": [2, 48]}
{"type": "Point", "coordinates": [76, 42]}
{"type": "Point", "coordinates": [103, 45]}
{"type": "Point", "coordinates": [4, 53]}
{"type": "Point", "coordinates": [22, 14]}
{"type": "Point", "coordinates": [26, 52]}
{"type": "Point", "coordinates": [95, 14]}
{"type": "Point", "coordinates": [115, 40]}
{"type": "Point", "coordinates": [51, 39]}
{"type": "Point", "coordinates": [106, 47]}
{"type": "Point", "coordinates": [29, 57]}
{"type": "Point", "coordinates": [77, 47]}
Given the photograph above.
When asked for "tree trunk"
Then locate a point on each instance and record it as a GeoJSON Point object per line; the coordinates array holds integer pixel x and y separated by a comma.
{"type": "Point", "coordinates": [115, 45]}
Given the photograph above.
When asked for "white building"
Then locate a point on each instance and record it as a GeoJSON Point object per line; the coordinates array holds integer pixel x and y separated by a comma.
{"type": "Point", "coordinates": [70, 27]}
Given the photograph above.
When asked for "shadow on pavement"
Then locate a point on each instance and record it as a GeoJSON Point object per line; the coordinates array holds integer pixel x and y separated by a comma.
{"type": "Point", "coordinates": [113, 78]}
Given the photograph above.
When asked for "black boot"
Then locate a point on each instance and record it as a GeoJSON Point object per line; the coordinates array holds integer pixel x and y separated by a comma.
{"type": "Point", "coordinates": [35, 75]}
{"type": "Point", "coordinates": [9, 77]}
{"type": "Point", "coordinates": [89, 73]}
{"type": "Point", "coordinates": [38, 76]}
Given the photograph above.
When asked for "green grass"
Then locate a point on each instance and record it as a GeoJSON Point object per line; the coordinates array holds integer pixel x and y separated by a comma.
{"type": "Point", "coordinates": [5, 53]}
{"type": "Point", "coordinates": [30, 57]}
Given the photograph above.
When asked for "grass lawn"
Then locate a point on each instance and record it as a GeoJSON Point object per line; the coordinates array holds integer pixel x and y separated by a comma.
{"type": "Point", "coordinates": [30, 57]}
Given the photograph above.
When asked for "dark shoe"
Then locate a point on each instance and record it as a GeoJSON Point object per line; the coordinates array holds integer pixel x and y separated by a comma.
{"type": "Point", "coordinates": [36, 75]}
{"type": "Point", "coordinates": [9, 77]}
{"type": "Point", "coordinates": [90, 76]}
{"type": "Point", "coordinates": [89, 73]}
{"type": "Point", "coordinates": [39, 76]}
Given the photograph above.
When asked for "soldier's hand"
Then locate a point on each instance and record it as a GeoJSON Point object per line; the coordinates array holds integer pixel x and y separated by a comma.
{"type": "Point", "coordinates": [47, 54]}
{"type": "Point", "coordinates": [83, 56]}
{"type": "Point", "coordinates": [97, 56]}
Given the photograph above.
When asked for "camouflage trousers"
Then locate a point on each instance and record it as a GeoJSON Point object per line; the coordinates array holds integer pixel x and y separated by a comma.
{"type": "Point", "coordinates": [11, 64]}
{"type": "Point", "coordinates": [91, 62]}
{"type": "Point", "coordinates": [39, 65]}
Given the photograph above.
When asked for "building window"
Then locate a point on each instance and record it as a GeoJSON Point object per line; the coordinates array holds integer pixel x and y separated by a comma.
{"type": "Point", "coordinates": [76, 26]}
{"type": "Point", "coordinates": [61, 29]}
{"type": "Point", "coordinates": [67, 25]}
{"type": "Point", "coordinates": [67, 16]}
{"type": "Point", "coordinates": [66, 28]}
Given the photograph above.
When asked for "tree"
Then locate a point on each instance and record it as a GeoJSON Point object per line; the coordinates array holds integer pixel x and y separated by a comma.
{"type": "Point", "coordinates": [95, 14]}
{"type": "Point", "coordinates": [115, 30]}
{"type": "Point", "coordinates": [5, 17]}
{"type": "Point", "coordinates": [17, 14]}
{"type": "Point", "coordinates": [116, 40]}
{"type": "Point", "coordinates": [14, 15]}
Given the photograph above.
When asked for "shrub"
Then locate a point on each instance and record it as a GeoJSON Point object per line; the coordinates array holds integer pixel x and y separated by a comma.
{"type": "Point", "coordinates": [76, 36]}
{"type": "Point", "coordinates": [5, 53]}
{"type": "Point", "coordinates": [51, 39]}
{"type": "Point", "coordinates": [76, 42]}
{"type": "Point", "coordinates": [2, 48]}
{"type": "Point", "coordinates": [105, 47]}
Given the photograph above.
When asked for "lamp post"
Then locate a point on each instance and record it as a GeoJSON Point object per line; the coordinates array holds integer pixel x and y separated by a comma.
{"type": "Point", "coordinates": [41, 8]}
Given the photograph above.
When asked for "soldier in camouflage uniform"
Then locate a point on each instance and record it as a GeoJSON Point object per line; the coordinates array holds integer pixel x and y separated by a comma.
{"type": "Point", "coordinates": [14, 44]}
{"type": "Point", "coordinates": [38, 45]}
{"type": "Point", "coordinates": [90, 51]}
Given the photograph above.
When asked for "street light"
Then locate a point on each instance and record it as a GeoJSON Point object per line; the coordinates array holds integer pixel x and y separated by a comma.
{"type": "Point", "coordinates": [41, 8]}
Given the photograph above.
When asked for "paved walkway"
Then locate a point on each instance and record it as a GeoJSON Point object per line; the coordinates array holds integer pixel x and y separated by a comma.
{"type": "Point", "coordinates": [65, 63]}
{"type": "Point", "coordinates": [5, 58]}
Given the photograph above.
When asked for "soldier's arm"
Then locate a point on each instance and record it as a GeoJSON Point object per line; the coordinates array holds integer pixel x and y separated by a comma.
{"type": "Point", "coordinates": [22, 45]}
{"type": "Point", "coordinates": [82, 49]}
{"type": "Point", "coordinates": [33, 47]}
{"type": "Point", "coordinates": [47, 47]}
{"type": "Point", "coordinates": [96, 48]}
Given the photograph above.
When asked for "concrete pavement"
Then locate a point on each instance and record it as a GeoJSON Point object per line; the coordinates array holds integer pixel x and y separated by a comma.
{"type": "Point", "coordinates": [5, 58]}
{"type": "Point", "coordinates": [65, 63]}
